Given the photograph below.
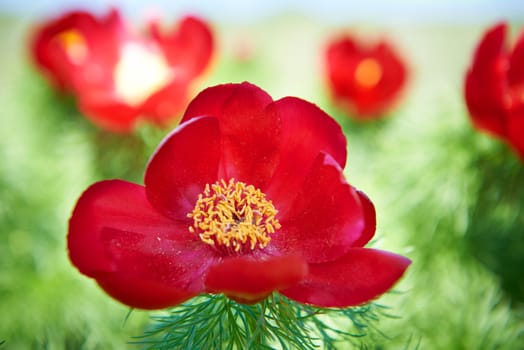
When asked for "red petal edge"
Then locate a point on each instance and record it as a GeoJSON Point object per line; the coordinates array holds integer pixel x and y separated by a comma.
{"type": "Point", "coordinates": [106, 111]}
{"type": "Point", "coordinates": [147, 295]}
{"type": "Point", "coordinates": [154, 270]}
{"type": "Point", "coordinates": [516, 68]}
{"type": "Point", "coordinates": [324, 219]}
{"type": "Point", "coordinates": [306, 131]}
{"type": "Point", "coordinates": [113, 203]}
{"type": "Point", "coordinates": [209, 101]}
{"type": "Point", "coordinates": [167, 104]}
{"type": "Point", "coordinates": [249, 281]}
{"type": "Point", "coordinates": [356, 278]}
{"type": "Point", "coordinates": [187, 46]}
{"type": "Point", "coordinates": [50, 55]}
{"type": "Point", "coordinates": [182, 165]}
{"type": "Point", "coordinates": [251, 136]}
{"type": "Point", "coordinates": [485, 88]}
{"type": "Point", "coordinates": [137, 255]}
{"type": "Point", "coordinates": [370, 220]}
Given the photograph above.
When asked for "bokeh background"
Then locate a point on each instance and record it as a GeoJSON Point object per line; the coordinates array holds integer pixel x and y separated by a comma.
{"type": "Point", "coordinates": [448, 197]}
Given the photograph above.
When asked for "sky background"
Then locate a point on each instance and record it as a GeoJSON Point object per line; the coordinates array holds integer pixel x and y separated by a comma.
{"type": "Point", "coordinates": [334, 11]}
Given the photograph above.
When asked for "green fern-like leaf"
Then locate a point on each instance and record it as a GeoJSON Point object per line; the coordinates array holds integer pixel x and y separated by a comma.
{"type": "Point", "coordinates": [216, 322]}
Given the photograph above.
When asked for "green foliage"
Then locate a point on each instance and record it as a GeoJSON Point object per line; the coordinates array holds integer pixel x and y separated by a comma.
{"type": "Point", "coordinates": [497, 238]}
{"type": "Point", "coordinates": [216, 322]}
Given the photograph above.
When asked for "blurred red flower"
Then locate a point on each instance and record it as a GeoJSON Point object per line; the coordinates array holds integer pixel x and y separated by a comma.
{"type": "Point", "coordinates": [119, 75]}
{"type": "Point", "coordinates": [494, 87]}
{"type": "Point", "coordinates": [364, 80]}
{"type": "Point", "coordinates": [245, 197]}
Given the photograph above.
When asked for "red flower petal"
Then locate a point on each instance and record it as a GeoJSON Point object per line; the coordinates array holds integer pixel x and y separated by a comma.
{"type": "Point", "coordinates": [249, 281]}
{"type": "Point", "coordinates": [119, 205]}
{"type": "Point", "coordinates": [485, 86]}
{"type": "Point", "coordinates": [105, 41]}
{"type": "Point", "coordinates": [99, 35]}
{"type": "Point", "coordinates": [183, 164]}
{"type": "Point", "coordinates": [116, 237]}
{"type": "Point", "coordinates": [339, 55]}
{"type": "Point", "coordinates": [377, 100]}
{"type": "Point", "coordinates": [209, 101]}
{"type": "Point", "coordinates": [250, 133]}
{"type": "Point", "coordinates": [358, 277]}
{"type": "Point", "coordinates": [142, 294]}
{"type": "Point", "coordinates": [167, 104]}
{"type": "Point", "coordinates": [324, 219]}
{"type": "Point", "coordinates": [516, 67]}
{"type": "Point", "coordinates": [188, 47]}
{"type": "Point", "coordinates": [106, 111]}
{"type": "Point", "coordinates": [159, 271]}
{"type": "Point", "coordinates": [343, 61]}
{"type": "Point", "coordinates": [370, 220]}
{"type": "Point", "coordinates": [306, 131]}
{"type": "Point", "coordinates": [50, 55]}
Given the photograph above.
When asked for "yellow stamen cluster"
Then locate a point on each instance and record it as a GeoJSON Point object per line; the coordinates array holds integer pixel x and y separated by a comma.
{"type": "Point", "coordinates": [234, 215]}
{"type": "Point", "coordinates": [368, 73]}
{"type": "Point", "coordinates": [74, 44]}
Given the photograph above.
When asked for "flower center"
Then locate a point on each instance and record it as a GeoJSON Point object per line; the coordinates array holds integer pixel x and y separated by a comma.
{"type": "Point", "coordinates": [139, 73]}
{"type": "Point", "coordinates": [234, 216]}
{"type": "Point", "coordinates": [74, 44]}
{"type": "Point", "coordinates": [368, 73]}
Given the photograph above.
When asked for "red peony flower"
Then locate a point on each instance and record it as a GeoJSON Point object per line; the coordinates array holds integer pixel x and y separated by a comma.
{"type": "Point", "coordinates": [494, 88]}
{"type": "Point", "coordinates": [364, 80]}
{"type": "Point", "coordinates": [119, 75]}
{"type": "Point", "coordinates": [246, 197]}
